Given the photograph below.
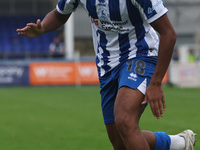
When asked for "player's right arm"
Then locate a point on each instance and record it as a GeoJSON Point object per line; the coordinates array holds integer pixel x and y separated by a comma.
{"type": "Point", "coordinates": [52, 21]}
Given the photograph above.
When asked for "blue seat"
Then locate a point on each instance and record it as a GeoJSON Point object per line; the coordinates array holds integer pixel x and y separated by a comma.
{"type": "Point", "coordinates": [25, 46]}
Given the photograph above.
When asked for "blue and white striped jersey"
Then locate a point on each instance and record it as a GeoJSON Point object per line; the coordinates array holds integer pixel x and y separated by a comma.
{"type": "Point", "coordinates": [120, 28]}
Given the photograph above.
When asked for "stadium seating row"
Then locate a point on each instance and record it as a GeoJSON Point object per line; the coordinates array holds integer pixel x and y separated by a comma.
{"type": "Point", "coordinates": [14, 46]}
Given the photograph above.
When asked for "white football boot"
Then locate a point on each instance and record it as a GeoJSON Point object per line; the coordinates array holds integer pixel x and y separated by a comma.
{"type": "Point", "coordinates": [189, 137]}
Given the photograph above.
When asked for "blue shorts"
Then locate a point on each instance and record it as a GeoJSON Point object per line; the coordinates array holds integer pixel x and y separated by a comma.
{"type": "Point", "coordinates": [135, 73]}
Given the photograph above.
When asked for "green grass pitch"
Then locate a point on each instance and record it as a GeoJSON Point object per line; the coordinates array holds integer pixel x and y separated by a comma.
{"type": "Point", "coordinates": [69, 118]}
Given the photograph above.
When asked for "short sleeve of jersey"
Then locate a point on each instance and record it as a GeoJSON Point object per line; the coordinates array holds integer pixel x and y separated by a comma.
{"type": "Point", "coordinates": [67, 6]}
{"type": "Point", "coordinates": [150, 9]}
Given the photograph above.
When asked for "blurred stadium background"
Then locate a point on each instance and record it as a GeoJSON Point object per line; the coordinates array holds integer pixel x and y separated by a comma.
{"type": "Point", "coordinates": [18, 53]}
{"type": "Point", "coordinates": [58, 114]}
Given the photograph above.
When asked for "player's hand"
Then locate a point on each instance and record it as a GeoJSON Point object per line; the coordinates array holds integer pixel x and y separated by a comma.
{"type": "Point", "coordinates": [155, 96]}
{"type": "Point", "coordinates": [31, 30]}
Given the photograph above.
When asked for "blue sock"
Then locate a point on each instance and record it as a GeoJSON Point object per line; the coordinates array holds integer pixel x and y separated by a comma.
{"type": "Point", "coordinates": [163, 141]}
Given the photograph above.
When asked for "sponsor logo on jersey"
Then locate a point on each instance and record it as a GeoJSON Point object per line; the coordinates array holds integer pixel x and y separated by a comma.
{"type": "Point", "coordinates": [103, 22]}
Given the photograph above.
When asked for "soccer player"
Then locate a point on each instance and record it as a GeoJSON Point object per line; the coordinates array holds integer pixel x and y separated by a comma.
{"type": "Point", "coordinates": [133, 42]}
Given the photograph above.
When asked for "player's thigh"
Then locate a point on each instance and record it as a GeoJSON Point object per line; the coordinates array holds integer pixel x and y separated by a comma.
{"type": "Point", "coordinates": [134, 78]}
{"type": "Point", "coordinates": [128, 105]}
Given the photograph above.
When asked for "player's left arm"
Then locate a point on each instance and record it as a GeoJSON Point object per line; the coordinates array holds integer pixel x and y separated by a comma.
{"type": "Point", "coordinates": [154, 92]}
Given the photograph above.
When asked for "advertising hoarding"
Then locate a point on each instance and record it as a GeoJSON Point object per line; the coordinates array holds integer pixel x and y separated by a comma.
{"type": "Point", "coordinates": [14, 74]}
{"type": "Point", "coordinates": [63, 73]}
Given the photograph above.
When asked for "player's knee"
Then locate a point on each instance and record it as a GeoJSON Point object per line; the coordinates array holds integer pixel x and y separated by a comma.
{"type": "Point", "coordinates": [121, 118]}
{"type": "Point", "coordinates": [126, 125]}
{"type": "Point", "coordinates": [119, 147]}
{"type": "Point", "coordinates": [121, 121]}
{"type": "Point", "coordinates": [118, 144]}
{"type": "Point", "coordinates": [115, 139]}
